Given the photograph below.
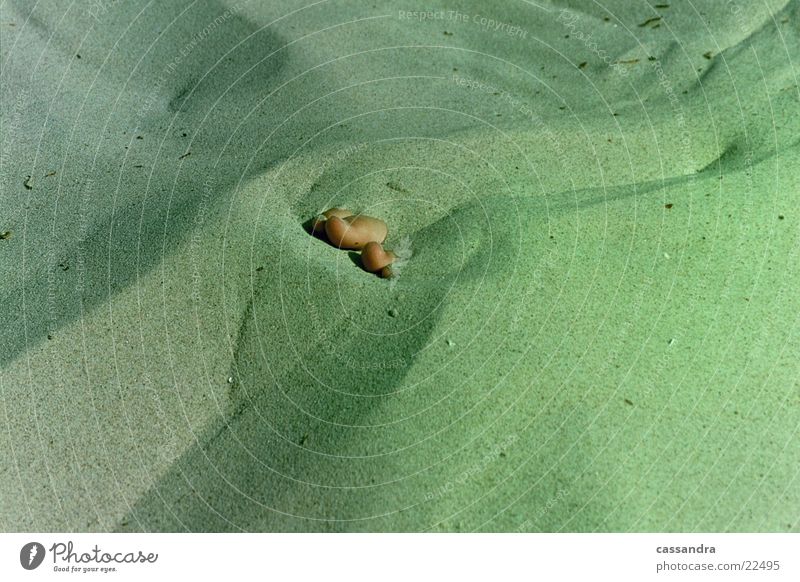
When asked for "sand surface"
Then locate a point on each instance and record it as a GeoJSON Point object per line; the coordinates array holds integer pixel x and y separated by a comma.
{"type": "Point", "coordinates": [597, 329]}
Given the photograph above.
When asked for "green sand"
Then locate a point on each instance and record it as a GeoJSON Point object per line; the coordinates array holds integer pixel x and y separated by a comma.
{"type": "Point", "coordinates": [597, 331]}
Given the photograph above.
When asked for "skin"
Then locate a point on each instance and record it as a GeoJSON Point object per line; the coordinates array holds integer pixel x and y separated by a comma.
{"type": "Point", "coordinates": [318, 227]}
{"type": "Point", "coordinates": [345, 230]}
{"type": "Point", "coordinates": [374, 259]}
{"type": "Point", "coordinates": [354, 232]}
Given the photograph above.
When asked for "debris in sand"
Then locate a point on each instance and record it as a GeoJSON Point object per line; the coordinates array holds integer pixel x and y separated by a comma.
{"type": "Point", "coordinates": [396, 187]}
{"type": "Point", "coordinates": [654, 22]}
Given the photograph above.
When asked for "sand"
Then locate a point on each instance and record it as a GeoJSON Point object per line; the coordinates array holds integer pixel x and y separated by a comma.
{"type": "Point", "coordinates": [597, 329]}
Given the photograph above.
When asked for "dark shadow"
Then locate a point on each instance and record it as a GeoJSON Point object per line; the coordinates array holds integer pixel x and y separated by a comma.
{"type": "Point", "coordinates": [355, 258]}
{"type": "Point", "coordinates": [114, 253]}
{"type": "Point", "coordinates": [297, 431]}
{"type": "Point", "coordinates": [308, 227]}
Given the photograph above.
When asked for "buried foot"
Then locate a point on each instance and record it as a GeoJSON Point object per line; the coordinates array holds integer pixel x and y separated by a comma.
{"type": "Point", "coordinates": [376, 260]}
{"type": "Point", "coordinates": [345, 230]}
{"type": "Point", "coordinates": [354, 232]}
